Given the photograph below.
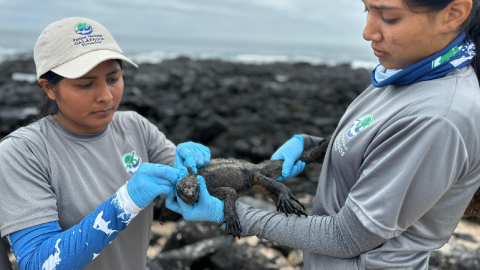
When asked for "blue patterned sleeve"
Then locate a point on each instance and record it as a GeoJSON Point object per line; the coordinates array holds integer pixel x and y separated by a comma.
{"type": "Point", "coordinates": [46, 247]}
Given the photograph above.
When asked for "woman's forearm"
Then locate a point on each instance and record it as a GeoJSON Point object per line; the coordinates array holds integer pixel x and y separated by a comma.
{"type": "Point", "coordinates": [45, 246]}
{"type": "Point", "coordinates": [341, 236]}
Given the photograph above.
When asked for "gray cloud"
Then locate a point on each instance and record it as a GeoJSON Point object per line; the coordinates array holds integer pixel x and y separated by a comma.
{"type": "Point", "coordinates": [289, 21]}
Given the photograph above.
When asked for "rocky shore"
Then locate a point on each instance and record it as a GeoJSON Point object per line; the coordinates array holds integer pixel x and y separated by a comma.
{"type": "Point", "coordinates": [240, 111]}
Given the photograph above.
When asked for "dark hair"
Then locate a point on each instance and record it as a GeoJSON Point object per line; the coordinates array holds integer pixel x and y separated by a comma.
{"type": "Point", "coordinates": [471, 26]}
{"type": "Point", "coordinates": [46, 106]}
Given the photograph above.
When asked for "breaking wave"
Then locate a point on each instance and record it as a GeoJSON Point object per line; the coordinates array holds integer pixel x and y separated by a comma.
{"type": "Point", "coordinates": [155, 57]}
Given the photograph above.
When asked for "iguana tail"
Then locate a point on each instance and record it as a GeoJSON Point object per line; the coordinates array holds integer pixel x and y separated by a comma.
{"type": "Point", "coordinates": [315, 154]}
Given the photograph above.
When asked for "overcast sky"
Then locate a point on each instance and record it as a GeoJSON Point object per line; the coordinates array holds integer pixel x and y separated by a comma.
{"type": "Point", "coordinates": [299, 20]}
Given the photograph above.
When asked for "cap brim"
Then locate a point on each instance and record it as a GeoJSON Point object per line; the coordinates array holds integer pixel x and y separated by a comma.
{"type": "Point", "coordinates": [81, 65]}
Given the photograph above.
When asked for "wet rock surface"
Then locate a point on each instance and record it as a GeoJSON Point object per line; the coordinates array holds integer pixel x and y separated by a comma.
{"type": "Point", "coordinates": [240, 111]}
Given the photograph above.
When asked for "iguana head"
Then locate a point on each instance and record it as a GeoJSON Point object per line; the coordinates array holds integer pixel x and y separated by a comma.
{"type": "Point", "coordinates": [188, 188]}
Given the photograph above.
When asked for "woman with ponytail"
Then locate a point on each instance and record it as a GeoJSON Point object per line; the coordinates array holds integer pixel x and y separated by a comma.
{"type": "Point", "coordinates": [404, 162]}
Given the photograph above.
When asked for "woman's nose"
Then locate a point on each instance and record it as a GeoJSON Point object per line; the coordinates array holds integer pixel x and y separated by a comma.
{"type": "Point", "coordinates": [104, 93]}
{"type": "Point", "coordinates": [371, 31]}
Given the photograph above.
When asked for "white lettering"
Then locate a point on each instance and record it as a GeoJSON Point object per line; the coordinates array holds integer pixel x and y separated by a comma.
{"type": "Point", "coordinates": [340, 144]}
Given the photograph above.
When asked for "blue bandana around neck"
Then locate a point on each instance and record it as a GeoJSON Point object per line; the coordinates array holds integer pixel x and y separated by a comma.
{"type": "Point", "coordinates": [456, 55]}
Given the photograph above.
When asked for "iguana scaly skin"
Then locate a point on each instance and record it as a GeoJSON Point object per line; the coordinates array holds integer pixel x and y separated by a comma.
{"type": "Point", "coordinates": [228, 179]}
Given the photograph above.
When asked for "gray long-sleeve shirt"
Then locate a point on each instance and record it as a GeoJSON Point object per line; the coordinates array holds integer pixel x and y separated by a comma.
{"type": "Point", "coordinates": [403, 164]}
{"type": "Point", "coordinates": [343, 235]}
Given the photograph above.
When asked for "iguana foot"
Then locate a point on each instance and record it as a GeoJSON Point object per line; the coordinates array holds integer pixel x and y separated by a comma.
{"type": "Point", "coordinates": [232, 224]}
{"type": "Point", "coordinates": [288, 204]}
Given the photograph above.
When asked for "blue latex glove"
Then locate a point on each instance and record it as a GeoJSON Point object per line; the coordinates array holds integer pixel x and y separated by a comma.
{"type": "Point", "coordinates": [207, 208]}
{"type": "Point", "coordinates": [290, 152]}
{"type": "Point", "coordinates": [151, 180]}
{"type": "Point", "coordinates": [193, 155]}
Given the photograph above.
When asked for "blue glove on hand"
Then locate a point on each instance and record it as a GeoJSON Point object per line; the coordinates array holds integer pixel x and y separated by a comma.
{"type": "Point", "coordinates": [193, 155]}
{"type": "Point", "coordinates": [151, 180]}
{"type": "Point", "coordinates": [290, 152]}
{"type": "Point", "coordinates": [207, 208]}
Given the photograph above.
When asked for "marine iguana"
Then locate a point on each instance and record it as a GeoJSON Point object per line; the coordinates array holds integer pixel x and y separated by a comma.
{"type": "Point", "coordinates": [228, 179]}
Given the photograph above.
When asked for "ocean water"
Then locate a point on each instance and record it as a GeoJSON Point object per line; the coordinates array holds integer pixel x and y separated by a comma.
{"type": "Point", "coordinates": [248, 31]}
{"type": "Point", "coordinates": [145, 49]}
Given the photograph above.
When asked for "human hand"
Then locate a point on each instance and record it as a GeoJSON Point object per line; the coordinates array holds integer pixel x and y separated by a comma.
{"type": "Point", "coordinates": [290, 152]}
{"type": "Point", "coordinates": [151, 180]}
{"type": "Point", "coordinates": [207, 208]}
{"type": "Point", "coordinates": [193, 155]}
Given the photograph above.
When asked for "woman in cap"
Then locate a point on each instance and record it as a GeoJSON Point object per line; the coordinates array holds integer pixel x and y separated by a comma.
{"type": "Point", "coordinates": [84, 174]}
{"type": "Point", "coordinates": [404, 161]}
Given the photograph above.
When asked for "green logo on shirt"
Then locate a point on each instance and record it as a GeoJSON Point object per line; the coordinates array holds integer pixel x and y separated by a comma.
{"type": "Point", "coordinates": [131, 162]}
{"type": "Point", "coordinates": [360, 125]}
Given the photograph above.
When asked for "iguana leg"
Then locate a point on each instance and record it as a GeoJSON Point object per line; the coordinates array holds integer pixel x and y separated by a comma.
{"type": "Point", "coordinates": [279, 193]}
{"type": "Point", "coordinates": [230, 218]}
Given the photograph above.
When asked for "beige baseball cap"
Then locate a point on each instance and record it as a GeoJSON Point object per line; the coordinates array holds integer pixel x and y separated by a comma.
{"type": "Point", "coordinates": [74, 46]}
